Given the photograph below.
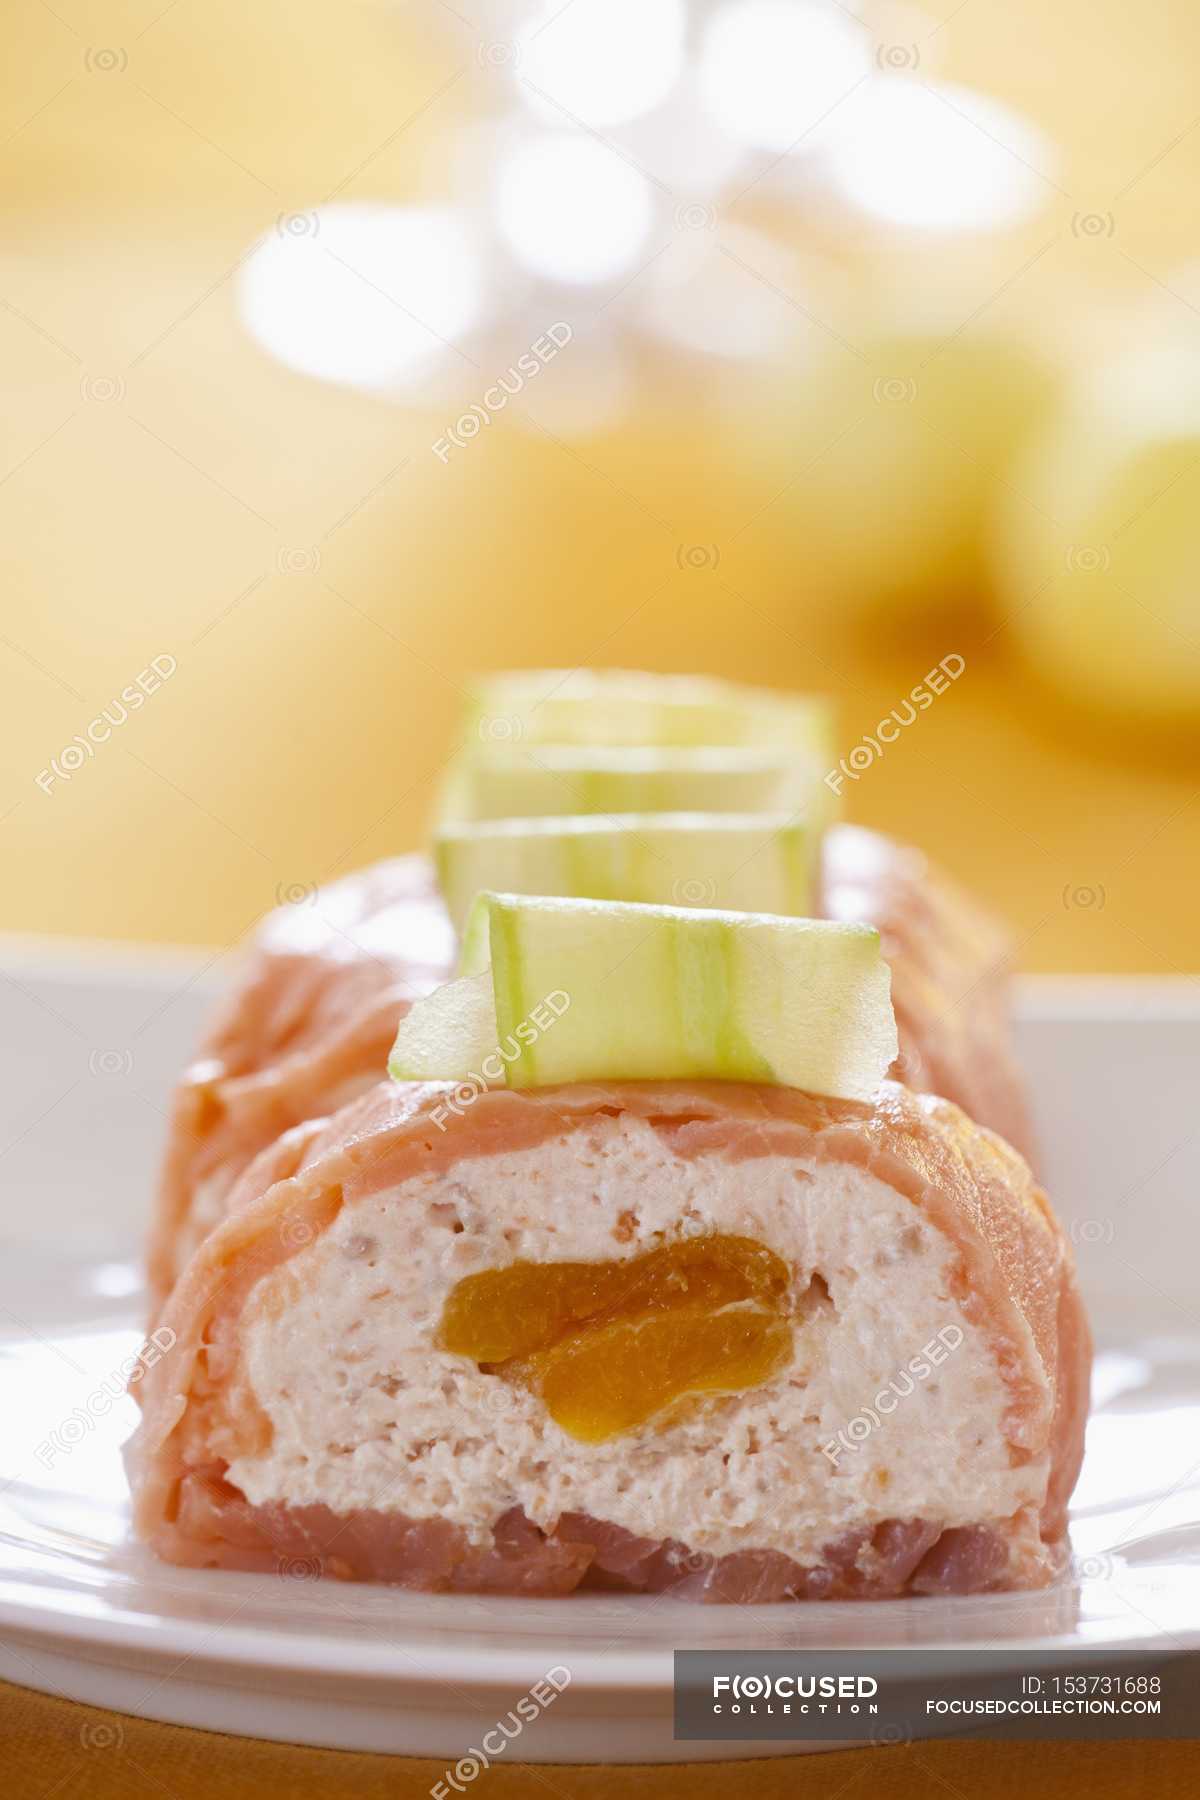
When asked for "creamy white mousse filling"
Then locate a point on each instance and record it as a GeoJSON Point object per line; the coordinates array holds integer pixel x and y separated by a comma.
{"type": "Point", "coordinates": [892, 1407]}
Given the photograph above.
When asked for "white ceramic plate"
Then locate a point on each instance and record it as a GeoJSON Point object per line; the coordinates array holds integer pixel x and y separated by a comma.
{"type": "Point", "coordinates": [89, 1051]}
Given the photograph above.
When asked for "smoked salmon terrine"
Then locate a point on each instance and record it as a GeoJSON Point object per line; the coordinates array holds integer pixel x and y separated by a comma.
{"type": "Point", "coordinates": [306, 1029]}
{"type": "Point", "coordinates": [310, 1025]}
{"type": "Point", "coordinates": [728, 1340]}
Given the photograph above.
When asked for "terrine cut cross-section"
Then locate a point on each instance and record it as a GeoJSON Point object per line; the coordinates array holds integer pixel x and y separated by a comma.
{"type": "Point", "coordinates": [825, 1349]}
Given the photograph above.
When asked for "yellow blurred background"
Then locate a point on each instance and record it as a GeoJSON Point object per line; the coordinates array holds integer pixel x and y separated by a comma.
{"type": "Point", "coordinates": [838, 502]}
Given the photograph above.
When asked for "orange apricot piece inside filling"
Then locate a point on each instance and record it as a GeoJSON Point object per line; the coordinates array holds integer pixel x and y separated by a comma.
{"type": "Point", "coordinates": [609, 1346]}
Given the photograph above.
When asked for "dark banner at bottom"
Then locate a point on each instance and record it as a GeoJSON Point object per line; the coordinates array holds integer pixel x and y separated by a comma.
{"type": "Point", "coordinates": [892, 1696]}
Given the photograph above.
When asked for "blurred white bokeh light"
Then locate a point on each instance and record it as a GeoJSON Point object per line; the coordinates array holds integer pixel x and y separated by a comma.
{"type": "Point", "coordinates": [723, 296]}
{"type": "Point", "coordinates": [571, 209]}
{"type": "Point", "coordinates": [938, 158]}
{"type": "Point", "coordinates": [363, 294]}
{"type": "Point", "coordinates": [771, 69]}
{"type": "Point", "coordinates": [601, 62]}
{"type": "Point", "coordinates": [622, 135]}
{"type": "Point", "coordinates": [680, 145]}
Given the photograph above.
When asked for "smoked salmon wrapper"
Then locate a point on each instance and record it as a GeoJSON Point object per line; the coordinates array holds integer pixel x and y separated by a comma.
{"type": "Point", "coordinates": [328, 978]}
{"type": "Point", "coordinates": [733, 1341]}
{"type": "Point", "coordinates": [306, 1029]}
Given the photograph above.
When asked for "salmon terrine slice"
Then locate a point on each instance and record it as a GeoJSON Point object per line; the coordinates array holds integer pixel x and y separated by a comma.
{"type": "Point", "coordinates": [310, 1025]}
{"type": "Point", "coordinates": [735, 1341]}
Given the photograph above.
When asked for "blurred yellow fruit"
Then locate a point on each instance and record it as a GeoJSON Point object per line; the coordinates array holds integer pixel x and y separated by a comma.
{"type": "Point", "coordinates": [1098, 545]}
{"type": "Point", "coordinates": [895, 446]}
